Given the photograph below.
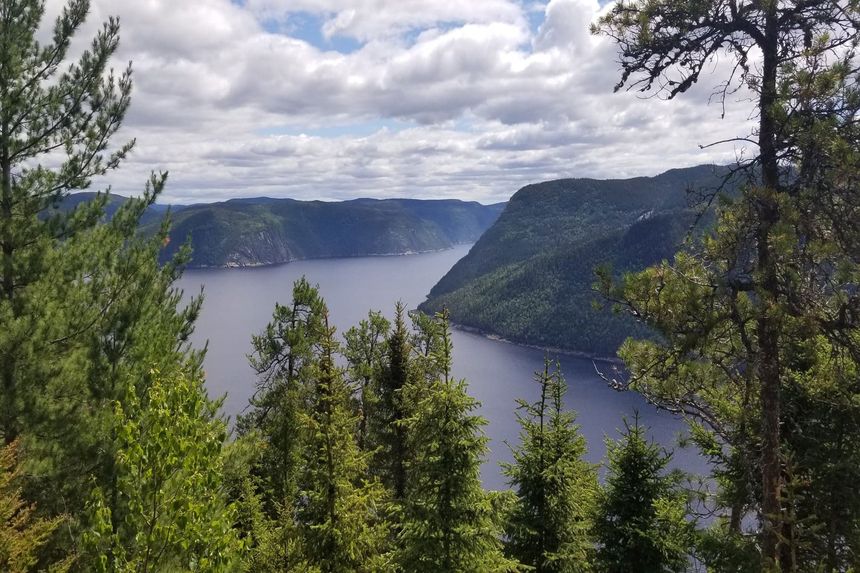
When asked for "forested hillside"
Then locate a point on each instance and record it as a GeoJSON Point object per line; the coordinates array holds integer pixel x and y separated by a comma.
{"type": "Point", "coordinates": [264, 231]}
{"type": "Point", "coordinates": [529, 277]}
{"type": "Point", "coordinates": [250, 232]}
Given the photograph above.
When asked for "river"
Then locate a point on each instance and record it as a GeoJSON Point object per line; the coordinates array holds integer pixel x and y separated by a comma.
{"type": "Point", "coordinates": [239, 302]}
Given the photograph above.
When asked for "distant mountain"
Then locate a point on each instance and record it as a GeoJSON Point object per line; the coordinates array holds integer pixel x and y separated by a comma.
{"type": "Point", "coordinates": [265, 231]}
{"type": "Point", "coordinates": [529, 278]}
{"type": "Point", "coordinates": [153, 214]}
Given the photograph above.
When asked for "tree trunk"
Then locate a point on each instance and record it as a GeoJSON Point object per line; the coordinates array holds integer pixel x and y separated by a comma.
{"type": "Point", "coordinates": [768, 320]}
{"type": "Point", "coordinates": [8, 425]}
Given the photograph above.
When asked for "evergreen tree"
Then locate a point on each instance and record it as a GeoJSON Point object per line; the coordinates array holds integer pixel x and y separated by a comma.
{"type": "Point", "coordinates": [117, 324]}
{"type": "Point", "coordinates": [365, 353]}
{"type": "Point", "coordinates": [641, 520]}
{"type": "Point", "coordinates": [21, 532]}
{"type": "Point", "coordinates": [75, 285]}
{"type": "Point", "coordinates": [71, 114]}
{"type": "Point", "coordinates": [782, 265]}
{"type": "Point", "coordinates": [550, 527]}
{"type": "Point", "coordinates": [389, 432]}
{"type": "Point", "coordinates": [284, 358]}
{"type": "Point", "coordinates": [448, 523]}
{"type": "Point", "coordinates": [341, 509]}
{"type": "Point", "coordinates": [425, 340]}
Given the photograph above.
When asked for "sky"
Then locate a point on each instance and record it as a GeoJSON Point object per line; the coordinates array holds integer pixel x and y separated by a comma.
{"type": "Point", "coordinates": [336, 99]}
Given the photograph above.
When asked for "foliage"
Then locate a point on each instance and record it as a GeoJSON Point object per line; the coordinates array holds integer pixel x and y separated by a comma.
{"type": "Point", "coordinates": [21, 532]}
{"type": "Point", "coordinates": [641, 521]}
{"type": "Point", "coordinates": [169, 477]}
{"type": "Point", "coordinates": [549, 528]}
{"type": "Point", "coordinates": [448, 522]}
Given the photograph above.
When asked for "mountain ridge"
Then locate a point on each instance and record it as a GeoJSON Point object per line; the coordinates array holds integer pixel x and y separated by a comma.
{"type": "Point", "coordinates": [264, 231]}
{"type": "Point", "coordinates": [529, 278]}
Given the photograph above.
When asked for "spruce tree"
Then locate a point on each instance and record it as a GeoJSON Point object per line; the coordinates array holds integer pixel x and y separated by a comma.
{"type": "Point", "coordinates": [387, 425]}
{"type": "Point", "coordinates": [341, 508]}
{"type": "Point", "coordinates": [426, 338]}
{"type": "Point", "coordinates": [448, 521]}
{"type": "Point", "coordinates": [365, 353]}
{"type": "Point", "coordinates": [641, 519]}
{"type": "Point", "coordinates": [549, 529]}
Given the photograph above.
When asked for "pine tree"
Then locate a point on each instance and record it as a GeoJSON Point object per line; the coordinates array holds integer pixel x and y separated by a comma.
{"type": "Point", "coordinates": [43, 110]}
{"type": "Point", "coordinates": [341, 512]}
{"type": "Point", "coordinates": [550, 526]}
{"type": "Point", "coordinates": [448, 520]}
{"type": "Point", "coordinates": [641, 520]}
{"type": "Point", "coordinates": [87, 311]}
{"type": "Point", "coordinates": [782, 265]}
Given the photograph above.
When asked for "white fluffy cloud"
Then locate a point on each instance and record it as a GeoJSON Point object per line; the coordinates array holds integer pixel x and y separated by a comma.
{"type": "Point", "coordinates": [428, 99]}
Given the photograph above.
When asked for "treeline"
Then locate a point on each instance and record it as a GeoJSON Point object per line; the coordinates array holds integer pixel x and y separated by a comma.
{"type": "Point", "coordinates": [371, 466]}
{"type": "Point", "coordinates": [376, 466]}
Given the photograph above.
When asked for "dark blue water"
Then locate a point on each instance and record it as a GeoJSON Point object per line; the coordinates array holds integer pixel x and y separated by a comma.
{"type": "Point", "coordinates": [239, 302]}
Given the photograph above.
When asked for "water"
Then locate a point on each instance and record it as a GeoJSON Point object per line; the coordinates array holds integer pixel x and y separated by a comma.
{"type": "Point", "coordinates": [239, 302]}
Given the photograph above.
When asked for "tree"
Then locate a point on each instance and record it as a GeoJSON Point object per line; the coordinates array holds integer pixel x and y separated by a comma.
{"type": "Point", "coordinates": [387, 425]}
{"type": "Point", "coordinates": [87, 312]}
{"type": "Point", "coordinates": [767, 272]}
{"type": "Point", "coordinates": [641, 520]}
{"type": "Point", "coordinates": [425, 340]}
{"type": "Point", "coordinates": [174, 514]}
{"type": "Point", "coordinates": [448, 522]}
{"type": "Point", "coordinates": [21, 533]}
{"type": "Point", "coordinates": [549, 529]}
{"type": "Point", "coordinates": [365, 353]}
{"type": "Point", "coordinates": [341, 512]}
{"type": "Point", "coordinates": [72, 115]}
{"type": "Point", "coordinates": [284, 359]}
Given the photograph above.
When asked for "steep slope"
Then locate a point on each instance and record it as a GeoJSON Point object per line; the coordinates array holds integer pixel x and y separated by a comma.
{"type": "Point", "coordinates": [269, 231]}
{"type": "Point", "coordinates": [529, 278]}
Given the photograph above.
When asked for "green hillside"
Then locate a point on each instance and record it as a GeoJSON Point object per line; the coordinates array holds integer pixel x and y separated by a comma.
{"type": "Point", "coordinates": [529, 278]}
{"type": "Point", "coordinates": [250, 232]}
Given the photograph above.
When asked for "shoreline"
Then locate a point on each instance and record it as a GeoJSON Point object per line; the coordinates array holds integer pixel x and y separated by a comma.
{"type": "Point", "coordinates": [232, 265]}
{"type": "Point", "coordinates": [548, 349]}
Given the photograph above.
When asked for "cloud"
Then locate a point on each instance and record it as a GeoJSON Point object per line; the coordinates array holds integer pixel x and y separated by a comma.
{"type": "Point", "coordinates": [468, 100]}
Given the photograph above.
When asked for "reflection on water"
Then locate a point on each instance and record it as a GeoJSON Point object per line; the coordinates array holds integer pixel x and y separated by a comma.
{"type": "Point", "coordinates": [239, 302]}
